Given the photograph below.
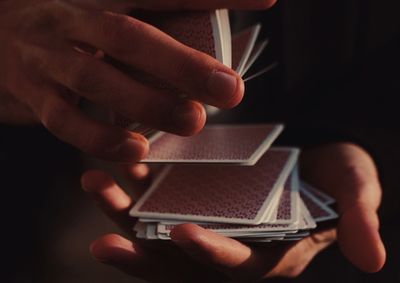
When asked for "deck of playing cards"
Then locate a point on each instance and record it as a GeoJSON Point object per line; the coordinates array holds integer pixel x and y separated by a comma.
{"type": "Point", "coordinates": [230, 180]}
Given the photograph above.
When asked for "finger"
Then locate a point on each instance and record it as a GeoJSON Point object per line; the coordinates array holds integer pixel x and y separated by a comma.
{"type": "Point", "coordinates": [224, 254]}
{"type": "Point", "coordinates": [58, 113]}
{"type": "Point", "coordinates": [105, 85]}
{"type": "Point", "coordinates": [112, 200]}
{"type": "Point", "coordinates": [138, 176]}
{"type": "Point", "coordinates": [138, 261]}
{"type": "Point", "coordinates": [355, 185]}
{"type": "Point", "coordinates": [359, 239]}
{"type": "Point", "coordinates": [136, 172]}
{"type": "Point", "coordinates": [68, 123]}
{"type": "Point", "coordinates": [151, 51]}
{"type": "Point", "coordinates": [300, 254]}
{"type": "Point", "coordinates": [56, 109]}
{"type": "Point", "coordinates": [203, 4]}
{"type": "Point", "coordinates": [121, 253]}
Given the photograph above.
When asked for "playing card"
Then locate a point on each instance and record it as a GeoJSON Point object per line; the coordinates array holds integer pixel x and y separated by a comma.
{"type": "Point", "coordinates": [192, 28]}
{"type": "Point", "coordinates": [235, 229]}
{"type": "Point", "coordinates": [262, 231]}
{"type": "Point", "coordinates": [151, 231]}
{"type": "Point", "coordinates": [255, 54]}
{"type": "Point", "coordinates": [288, 210]}
{"type": "Point", "coordinates": [237, 144]}
{"type": "Point", "coordinates": [261, 72]}
{"type": "Point", "coordinates": [307, 221]}
{"type": "Point", "coordinates": [318, 210]}
{"type": "Point", "coordinates": [140, 229]}
{"type": "Point", "coordinates": [242, 47]}
{"type": "Point", "coordinates": [321, 196]}
{"type": "Point", "coordinates": [281, 199]}
{"type": "Point", "coordinates": [222, 30]}
{"type": "Point", "coordinates": [217, 193]}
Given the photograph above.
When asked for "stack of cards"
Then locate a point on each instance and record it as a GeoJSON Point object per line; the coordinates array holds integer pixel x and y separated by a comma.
{"type": "Point", "coordinates": [229, 180]}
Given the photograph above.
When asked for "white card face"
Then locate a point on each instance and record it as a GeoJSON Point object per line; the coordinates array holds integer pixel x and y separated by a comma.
{"type": "Point", "coordinates": [217, 193]}
{"type": "Point", "coordinates": [236, 144]}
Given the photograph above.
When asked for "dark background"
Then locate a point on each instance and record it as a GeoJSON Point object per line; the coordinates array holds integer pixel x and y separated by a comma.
{"type": "Point", "coordinates": [338, 80]}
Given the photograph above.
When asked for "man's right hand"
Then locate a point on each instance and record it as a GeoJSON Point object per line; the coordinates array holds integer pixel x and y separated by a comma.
{"type": "Point", "coordinates": [43, 74]}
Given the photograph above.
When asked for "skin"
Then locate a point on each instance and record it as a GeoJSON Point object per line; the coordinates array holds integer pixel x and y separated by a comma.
{"type": "Point", "coordinates": [52, 54]}
{"type": "Point", "coordinates": [343, 170]}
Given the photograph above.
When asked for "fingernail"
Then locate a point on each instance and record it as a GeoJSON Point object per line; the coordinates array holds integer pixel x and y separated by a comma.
{"type": "Point", "coordinates": [132, 150]}
{"type": "Point", "coordinates": [188, 117]}
{"type": "Point", "coordinates": [223, 88]}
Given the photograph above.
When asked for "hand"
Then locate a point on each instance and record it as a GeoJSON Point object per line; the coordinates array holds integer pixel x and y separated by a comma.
{"type": "Point", "coordinates": [51, 54]}
{"type": "Point", "coordinates": [348, 173]}
{"type": "Point", "coordinates": [199, 255]}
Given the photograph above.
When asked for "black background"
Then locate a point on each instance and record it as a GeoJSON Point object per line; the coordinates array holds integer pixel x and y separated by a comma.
{"type": "Point", "coordinates": [338, 80]}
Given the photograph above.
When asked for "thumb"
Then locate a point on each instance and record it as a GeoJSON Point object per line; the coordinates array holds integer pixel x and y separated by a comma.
{"type": "Point", "coordinates": [226, 255]}
{"type": "Point", "coordinates": [359, 239]}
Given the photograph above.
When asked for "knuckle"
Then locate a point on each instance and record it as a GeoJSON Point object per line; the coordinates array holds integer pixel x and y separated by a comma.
{"type": "Point", "coordinates": [191, 71]}
{"type": "Point", "coordinates": [82, 77]}
{"type": "Point", "coordinates": [49, 16]}
{"type": "Point", "coordinates": [189, 63]}
{"type": "Point", "coordinates": [33, 59]}
{"type": "Point", "coordinates": [122, 33]}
